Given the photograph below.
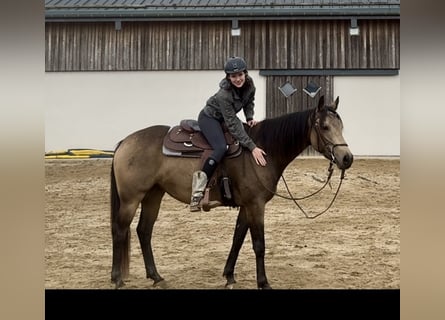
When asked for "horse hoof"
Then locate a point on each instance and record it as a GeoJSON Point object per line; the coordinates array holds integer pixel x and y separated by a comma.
{"type": "Point", "coordinates": [119, 284]}
{"type": "Point", "coordinates": [230, 284]}
{"type": "Point", "coordinates": [162, 284]}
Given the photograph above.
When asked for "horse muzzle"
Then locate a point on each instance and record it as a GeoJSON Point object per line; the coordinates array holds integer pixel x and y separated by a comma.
{"type": "Point", "coordinates": [341, 156]}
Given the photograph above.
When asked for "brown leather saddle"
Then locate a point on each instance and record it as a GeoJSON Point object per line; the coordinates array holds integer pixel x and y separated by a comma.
{"type": "Point", "coordinates": [187, 140]}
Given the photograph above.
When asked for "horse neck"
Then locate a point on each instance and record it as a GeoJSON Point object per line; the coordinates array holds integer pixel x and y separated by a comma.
{"type": "Point", "coordinates": [286, 137]}
{"type": "Point", "coordinates": [281, 161]}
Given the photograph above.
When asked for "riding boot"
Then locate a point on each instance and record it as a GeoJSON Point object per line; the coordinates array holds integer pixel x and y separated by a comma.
{"type": "Point", "coordinates": [199, 183]}
{"type": "Point", "coordinates": [198, 186]}
{"type": "Point", "coordinates": [209, 167]}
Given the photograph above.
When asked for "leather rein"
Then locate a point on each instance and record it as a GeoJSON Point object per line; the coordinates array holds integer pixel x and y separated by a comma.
{"type": "Point", "coordinates": [294, 199]}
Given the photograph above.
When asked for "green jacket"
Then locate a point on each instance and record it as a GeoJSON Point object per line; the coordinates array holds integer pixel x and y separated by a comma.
{"type": "Point", "coordinates": [227, 102]}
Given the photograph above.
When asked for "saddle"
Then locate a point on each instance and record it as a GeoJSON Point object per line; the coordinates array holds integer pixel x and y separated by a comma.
{"type": "Point", "coordinates": [187, 140]}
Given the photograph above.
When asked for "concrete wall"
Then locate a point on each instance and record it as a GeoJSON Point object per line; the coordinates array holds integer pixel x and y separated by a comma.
{"type": "Point", "coordinates": [97, 109]}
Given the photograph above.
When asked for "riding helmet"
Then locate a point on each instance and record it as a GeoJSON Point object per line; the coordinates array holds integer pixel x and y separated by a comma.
{"type": "Point", "coordinates": [235, 65]}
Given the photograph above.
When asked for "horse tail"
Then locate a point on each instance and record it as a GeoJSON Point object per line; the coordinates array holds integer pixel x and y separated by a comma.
{"type": "Point", "coordinates": [114, 196]}
{"type": "Point", "coordinates": [115, 206]}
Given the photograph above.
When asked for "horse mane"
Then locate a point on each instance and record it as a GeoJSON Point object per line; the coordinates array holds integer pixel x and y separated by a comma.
{"type": "Point", "coordinates": [289, 131]}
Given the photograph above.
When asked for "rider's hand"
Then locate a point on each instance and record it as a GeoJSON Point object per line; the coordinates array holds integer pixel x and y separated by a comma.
{"type": "Point", "coordinates": [251, 123]}
{"type": "Point", "coordinates": [258, 154]}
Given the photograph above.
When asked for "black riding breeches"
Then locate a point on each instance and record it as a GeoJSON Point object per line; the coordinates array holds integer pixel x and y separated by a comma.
{"type": "Point", "coordinates": [212, 130]}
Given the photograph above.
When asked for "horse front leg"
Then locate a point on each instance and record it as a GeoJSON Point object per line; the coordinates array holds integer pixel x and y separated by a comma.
{"type": "Point", "coordinates": [149, 214]}
{"type": "Point", "coordinates": [255, 218]}
{"type": "Point", "coordinates": [237, 242]}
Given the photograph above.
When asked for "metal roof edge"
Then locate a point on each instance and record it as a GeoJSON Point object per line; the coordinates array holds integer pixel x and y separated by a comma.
{"type": "Point", "coordinates": [240, 13]}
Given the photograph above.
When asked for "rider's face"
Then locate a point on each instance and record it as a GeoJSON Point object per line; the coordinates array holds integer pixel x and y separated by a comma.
{"type": "Point", "coordinates": [237, 79]}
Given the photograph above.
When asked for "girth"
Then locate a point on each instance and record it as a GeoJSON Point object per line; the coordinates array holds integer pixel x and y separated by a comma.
{"type": "Point", "coordinates": [187, 140]}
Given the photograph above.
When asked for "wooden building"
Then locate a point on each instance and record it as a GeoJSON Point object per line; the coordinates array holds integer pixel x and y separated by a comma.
{"type": "Point", "coordinates": [296, 42]}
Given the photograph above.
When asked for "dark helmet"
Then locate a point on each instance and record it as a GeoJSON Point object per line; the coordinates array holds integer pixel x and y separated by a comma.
{"type": "Point", "coordinates": [235, 65]}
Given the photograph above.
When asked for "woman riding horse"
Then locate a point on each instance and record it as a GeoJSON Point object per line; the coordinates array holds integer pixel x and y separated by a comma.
{"type": "Point", "coordinates": [236, 92]}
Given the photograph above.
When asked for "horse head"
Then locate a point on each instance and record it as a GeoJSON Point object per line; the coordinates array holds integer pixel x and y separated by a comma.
{"type": "Point", "coordinates": [327, 135]}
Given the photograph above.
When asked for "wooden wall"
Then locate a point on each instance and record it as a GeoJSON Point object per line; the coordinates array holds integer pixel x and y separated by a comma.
{"type": "Point", "coordinates": [298, 101]}
{"type": "Point", "coordinates": [277, 104]}
{"type": "Point", "coordinates": [205, 45]}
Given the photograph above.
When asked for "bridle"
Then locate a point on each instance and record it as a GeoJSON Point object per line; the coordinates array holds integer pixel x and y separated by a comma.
{"type": "Point", "coordinates": [327, 145]}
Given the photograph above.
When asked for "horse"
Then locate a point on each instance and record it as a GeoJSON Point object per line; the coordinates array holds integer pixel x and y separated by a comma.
{"type": "Point", "coordinates": [141, 174]}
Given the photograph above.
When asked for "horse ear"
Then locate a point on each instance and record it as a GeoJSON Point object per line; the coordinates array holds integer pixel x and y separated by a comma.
{"type": "Point", "coordinates": [336, 102]}
{"type": "Point", "coordinates": [321, 103]}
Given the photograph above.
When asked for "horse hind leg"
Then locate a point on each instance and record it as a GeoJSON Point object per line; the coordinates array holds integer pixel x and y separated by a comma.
{"type": "Point", "coordinates": [149, 213]}
{"type": "Point", "coordinates": [120, 229]}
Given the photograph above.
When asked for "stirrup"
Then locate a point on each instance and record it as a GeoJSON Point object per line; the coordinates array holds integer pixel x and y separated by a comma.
{"type": "Point", "coordinates": [195, 204]}
{"type": "Point", "coordinates": [206, 203]}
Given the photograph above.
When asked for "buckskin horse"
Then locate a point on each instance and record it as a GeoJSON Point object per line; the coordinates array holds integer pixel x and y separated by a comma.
{"type": "Point", "coordinates": [142, 172]}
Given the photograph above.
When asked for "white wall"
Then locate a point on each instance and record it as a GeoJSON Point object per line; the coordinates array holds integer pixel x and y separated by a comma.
{"type": "Point", "coordinates": [370, 109]}
{"type": "Point", "coordinates": [97, 109]}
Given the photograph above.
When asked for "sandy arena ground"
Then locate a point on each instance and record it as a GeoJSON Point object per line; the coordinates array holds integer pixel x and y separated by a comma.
{"type": "Point", "coordinates": [355, 244]}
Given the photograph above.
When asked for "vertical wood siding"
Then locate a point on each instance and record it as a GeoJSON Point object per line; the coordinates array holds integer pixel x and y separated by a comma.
{"type": "Point", "coordinates": [277, 104]}
{"type": "Point", "coordinates": [205, 45]}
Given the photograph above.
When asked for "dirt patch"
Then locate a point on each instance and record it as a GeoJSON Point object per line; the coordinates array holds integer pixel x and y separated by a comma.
{"type": "Point", "coordinates": [355, 244]}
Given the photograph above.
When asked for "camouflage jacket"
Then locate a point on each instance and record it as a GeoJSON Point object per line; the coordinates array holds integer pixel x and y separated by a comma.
{"type": "Point", "coordinates": [227, 102]}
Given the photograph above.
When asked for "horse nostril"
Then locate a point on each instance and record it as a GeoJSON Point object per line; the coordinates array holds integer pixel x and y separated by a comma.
{"type": "Point", "coordinates": [347, 160]}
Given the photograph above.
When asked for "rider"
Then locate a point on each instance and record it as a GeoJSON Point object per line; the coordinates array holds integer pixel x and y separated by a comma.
{"type": "Point", "coordinates": [236, 92]}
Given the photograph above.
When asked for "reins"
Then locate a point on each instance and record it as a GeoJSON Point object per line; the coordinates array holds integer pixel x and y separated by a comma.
{"type": "Point", "coordinates": [294, 199]}
{"type": "Point", "coordinates": [330, 170]}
